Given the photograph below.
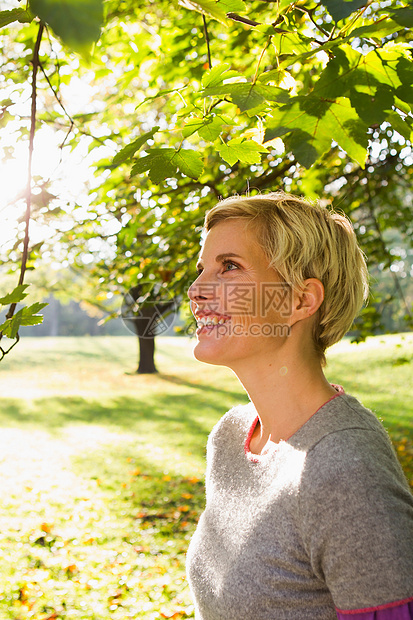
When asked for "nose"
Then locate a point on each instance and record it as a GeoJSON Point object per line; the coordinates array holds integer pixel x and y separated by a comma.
{"type": "Point", "coordinates": [198, 289]}
{"type": "Point", "coordinates": [204, 294]}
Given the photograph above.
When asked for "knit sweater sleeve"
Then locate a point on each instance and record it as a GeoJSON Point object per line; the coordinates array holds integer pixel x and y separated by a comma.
{"type": "Point", "coordinates": [357, 524]}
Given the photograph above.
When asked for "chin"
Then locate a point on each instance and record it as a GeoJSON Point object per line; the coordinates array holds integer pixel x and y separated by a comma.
{"type": "Point", "coordinates": [211, 353]}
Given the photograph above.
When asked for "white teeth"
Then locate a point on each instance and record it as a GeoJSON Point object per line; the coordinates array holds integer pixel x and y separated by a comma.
{"type": "Point", "coordinates": [208, 320]}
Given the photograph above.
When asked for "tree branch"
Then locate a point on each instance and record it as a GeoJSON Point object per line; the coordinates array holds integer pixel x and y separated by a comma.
{"type": "Point", "coordinates": [35, 63]}
{"type": "Point", "coordinates": [60, 102]}
{"type": "Point", "coordinates": [266, 179]}
{"type": "Point", "coordinates": [260, 58]}
{"type": "Point", "coordinates": [207, 41]}
{"type": "Point", "coordinates": [243, 20]}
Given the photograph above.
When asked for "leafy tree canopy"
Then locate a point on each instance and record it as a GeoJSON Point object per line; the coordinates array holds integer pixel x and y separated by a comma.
{"type": "Point", "coordinates": [207, 98]}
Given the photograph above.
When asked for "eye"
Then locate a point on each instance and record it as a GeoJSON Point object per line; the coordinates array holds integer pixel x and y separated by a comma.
{"type": "Point", "coordinates": [229, 265]}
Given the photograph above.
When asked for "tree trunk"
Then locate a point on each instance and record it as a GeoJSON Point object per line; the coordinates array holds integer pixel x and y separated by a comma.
{"type": "Point", "coordinates": [147, 319]}
{"type": "Point", "coordinates": [146, 355]}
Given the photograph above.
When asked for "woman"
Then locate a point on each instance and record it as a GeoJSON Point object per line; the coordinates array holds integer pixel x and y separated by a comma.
{"type": "Point", "coordinates": [308, 515]}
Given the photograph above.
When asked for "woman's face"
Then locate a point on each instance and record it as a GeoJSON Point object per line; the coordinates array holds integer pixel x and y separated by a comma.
{"type": "Point", "coordinates": [240, 303]}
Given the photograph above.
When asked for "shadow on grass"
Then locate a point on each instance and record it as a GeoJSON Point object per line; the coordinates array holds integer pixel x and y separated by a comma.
{"type": "Point", "coordinates": [181, 420]}
{"type": "Point", "coordinates": [166, 507]}
{"type": "Point", "coordinates": [236, 395]}
{"type": "Point", "coordinates": [64, 356]}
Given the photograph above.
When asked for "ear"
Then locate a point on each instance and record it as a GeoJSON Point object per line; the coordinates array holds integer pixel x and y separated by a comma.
{"type": "Point", "coordinates": [308, 301]}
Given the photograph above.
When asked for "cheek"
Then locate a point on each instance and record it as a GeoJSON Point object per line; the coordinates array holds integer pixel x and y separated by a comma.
{"type": "Point", "coordinates": [241, 299]}
{"type": "Point", "coordinates": [276, 302]}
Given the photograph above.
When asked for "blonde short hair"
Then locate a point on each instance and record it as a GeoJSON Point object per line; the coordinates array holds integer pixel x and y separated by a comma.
{"type": "Point", "coordinates": [303, 240]}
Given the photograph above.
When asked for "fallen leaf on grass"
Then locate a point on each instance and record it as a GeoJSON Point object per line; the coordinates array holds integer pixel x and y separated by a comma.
{"type": "Point", "coordinates": [70, 570]}
{"type": "Point", "coordinates": [116, 595]}
{"type": "Point", "coordinates": [174, 615]}
{"type": "Point", "coordinates": [141, 549]}
{"type": "Point", "coordinates": [149, 516]}
{"type": "Point", "coordinates": [135, 472]}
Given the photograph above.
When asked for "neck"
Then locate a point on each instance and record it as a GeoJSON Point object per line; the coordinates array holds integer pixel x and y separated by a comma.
{"type": "Point", "coordinates": [285, 393]}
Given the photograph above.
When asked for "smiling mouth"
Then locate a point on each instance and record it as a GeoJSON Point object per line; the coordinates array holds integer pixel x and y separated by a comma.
{"type": "Point", "coordinates": [210, 321]}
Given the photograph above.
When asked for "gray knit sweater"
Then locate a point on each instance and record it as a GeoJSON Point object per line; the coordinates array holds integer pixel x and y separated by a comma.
{"type": "Point", "coordinates": [323, 521]}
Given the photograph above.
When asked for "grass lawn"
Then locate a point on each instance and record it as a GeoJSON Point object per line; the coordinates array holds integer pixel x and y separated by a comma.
{"type": "Point", "coordinates": [102, 470]}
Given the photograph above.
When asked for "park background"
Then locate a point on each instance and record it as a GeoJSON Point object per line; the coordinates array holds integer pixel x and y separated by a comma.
{"type": "Point", "coordinates": [121, 123]}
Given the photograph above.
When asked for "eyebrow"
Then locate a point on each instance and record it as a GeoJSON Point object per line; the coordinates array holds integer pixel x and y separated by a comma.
{"type": "Point", "coordinates": [221, 257]}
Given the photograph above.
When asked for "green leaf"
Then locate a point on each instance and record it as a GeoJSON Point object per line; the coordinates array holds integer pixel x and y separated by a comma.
{"type": "Point", "coordinates": [129, 151]}
{"type": "Point", "coordinates": [217, 75]}
{"type": "Point", "coordinates": [208, 128]}
{"type": "Point", "coordinates": [227, 153]}
{"type": "Point", "coordinates": [144, 163]}
{"type": "Point", "coordinates": [340, 9]}
{"type": "Point", "coordinates": [76, 22]}
{"type": "Point", "coordinates": [192, 125]}
{"type": "Point", "coordinates": [245, 96]}
{"type": "Point", "coordinates": [158, 163]}
{"type": "Point", "coordinates": [301, 144]}
{"type": "Point", "coordinates": [347, 129]}
{"type": "Point", "coordinates": [15, 296]}
{"type": "Point", "coordinates": [272, 93]}
{"type": "Point", "coordinates": [248, 152]}
{"type": "Point", "coordinates": [161, 93]}
{"type": "Point", "coordinates": [10, 327]}
{"type": "Point", "coordinates": [376, 30]}
{"type": "Point", "coordinates": [381, 65]}
{"type": "Point", "coordinates": [30, 316]}
{"type": "Point", "coordinates": [162, 169]}
{"type": "Point", "coordinates": [405, 93]}
{"type": "Point", "coordinates": [323, 121]}
{"type": "Point", "coordinates": [31, 311]}
{"type": "Point", "coordinates": [274, 75]}
{"type": "Point", "coordinates": [404, 68]}
{"type": "Point", "coordinates": [291, 42]}
{"type": "Point", "coordinates": [373, 109]}
{"type": "Point", "coordinates": [403, 127]}
{"type": "Point", "coordinates": [20, 15]}
{"type": "Point", "coordinates": [353, 72]}
{"type": "Point", "coordinates": [232, 6]}
{"type": "Point", "coordinates": [207, 7]}
{"type": "Point", "coordinates": [276, 132]}
{"type": "Point", "coordinates": [337, 77]}
{"type": "Point", "coordinates": [26, 316]}
{"type": "Point", "coordinates": [189, 162]}
{"type": "Point", "coordinates": [212, 129]}
{"type": "Point", "coordinates": [404, 17]}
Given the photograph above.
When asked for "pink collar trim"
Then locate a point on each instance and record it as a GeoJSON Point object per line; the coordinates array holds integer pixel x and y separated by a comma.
{"type": "Point", "coordinates": [371, 609]}
{"type": "Point", "coordinates": [258, 457]}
